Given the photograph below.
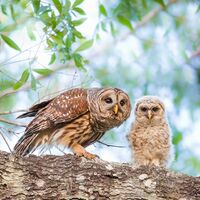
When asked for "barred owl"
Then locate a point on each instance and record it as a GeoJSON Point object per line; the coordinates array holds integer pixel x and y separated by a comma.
{"type": "Point", "coordinates": [150, 134]}
{"type": "Point", "coordinates": [75, 119]}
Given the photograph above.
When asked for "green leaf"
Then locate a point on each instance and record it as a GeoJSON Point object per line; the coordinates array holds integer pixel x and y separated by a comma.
{"type": "Point", "coordinates": [36, 5]}
{"type": "Point", "coordinates": [79, 10]}
{"type": "Point", "coordinates": [177, 138]}
{"type": "Point", "coordinates": [84, 46]}
{"type": "Point", "coordinates": [43, 71]}
{"type": "Point", "coordinates": [67, 6]}
{"type": "Point", "coordinates": [30, 33]}
{"type": "Point", "coordinates": [78, 34]}
{"type": "Point", "coordinates": [161, 2]}
{"type": "Point", "coordinates": [10, 42]}
{"type": "Point", "coordinates": [22, 80]}
{"type": "Point", "coordinates": [78, 59]}
{"type": "Point", "coordinates": [68, 41]}
{"type": "Point", "coordinates": [103, 10]}
{"type": "Point", "coordinates": [78, 22]}
{"type": "Point", "coordinates": [8, 28]}
{"type": "Point", "coordinates": [112, 29]}
{"type": "Point", "coordinates": [12, 12]}
{"type": "Point", "coordinates": [53, 58]}
{"type": "Point", "coordinates": [76, 3]}
{"type": "Point", "coordinates": [58, 5]}
{"type": "Point", "coordinates": [33, 82]}
{"type": "Point", "coordinates": [125, 22]}
{"type": "Point", "coordinates": [3, 9]}
{"type": "Point", "coordinates": [103, 26]}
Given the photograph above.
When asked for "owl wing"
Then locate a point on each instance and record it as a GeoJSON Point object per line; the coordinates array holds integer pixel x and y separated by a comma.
{"type": "Point", "coordinates": [56, 113]}
{"type": "Point", "coordinates": [62, 109]}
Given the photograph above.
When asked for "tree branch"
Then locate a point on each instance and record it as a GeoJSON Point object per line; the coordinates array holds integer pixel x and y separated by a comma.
{"type": "Point", "coordinates": [12, 112]}
{"type": "Point", "coordinates": [12, 122]}
{"type": "Point", "coordinates": [69, 177]}
{"type": "Point", "coordinates": [27, 85]}
{"type": "Point", "coordinates": [147, 18]}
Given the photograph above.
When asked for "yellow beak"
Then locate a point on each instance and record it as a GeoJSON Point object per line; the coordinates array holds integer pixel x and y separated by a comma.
{"type": "Point", "coordinates": [116, 108]}
{"type": "Point", "coordinates": [149, 114]}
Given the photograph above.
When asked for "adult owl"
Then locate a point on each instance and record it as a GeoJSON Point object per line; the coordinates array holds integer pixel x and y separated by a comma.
{"type": "Point", "coordinates": [150, 137]}
{"type": "Point", "coordinates": [75, 119]}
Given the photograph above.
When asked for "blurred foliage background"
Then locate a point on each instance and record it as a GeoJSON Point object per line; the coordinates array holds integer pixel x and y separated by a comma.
{"type": "Point", "coordinates": [144, 47]}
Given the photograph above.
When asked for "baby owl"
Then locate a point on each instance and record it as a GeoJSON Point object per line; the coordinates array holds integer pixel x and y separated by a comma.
{"type": "Point", "coordinates": [75, 119]}
{"type": "Point", "coordinates": [150, 134]}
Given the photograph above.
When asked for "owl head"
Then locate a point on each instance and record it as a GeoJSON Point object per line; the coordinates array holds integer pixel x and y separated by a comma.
{"type": "Point", "coordinates": [149, 108]}
{"type": "Point", "coordinates": [112, 105]}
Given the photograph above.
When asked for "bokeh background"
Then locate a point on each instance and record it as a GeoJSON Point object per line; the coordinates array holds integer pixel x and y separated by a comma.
{"type": "Point", "coordinates": [144, 47]}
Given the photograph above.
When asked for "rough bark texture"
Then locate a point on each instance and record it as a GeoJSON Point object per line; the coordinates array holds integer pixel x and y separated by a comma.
{"type": "Point", "coordinates": [70, 177]}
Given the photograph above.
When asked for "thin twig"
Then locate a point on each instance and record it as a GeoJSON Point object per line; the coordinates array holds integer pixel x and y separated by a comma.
{"type": "Point", "coordinates": [5, 141]}
{"type": "Point", "coordinates": [148, 17]}
{"type": "Point", "coordinates": [110, 145]}
{"type": "Point", "coordinates": [27, 85]}
{"type": "Point", "coordinates": [12, 122]}
{"type": "Point", "coordinates": [12, 112]}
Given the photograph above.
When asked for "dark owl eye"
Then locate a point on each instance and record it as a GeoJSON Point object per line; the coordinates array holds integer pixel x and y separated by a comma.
{"type": "Point", "coordinates": [143, 109]}
{"type": "Point", "coordinates": [155, 109]}
{"type": "Point", "coordinates": [108, 100]}
{"type": "Point", "coordinates": [122, 102]}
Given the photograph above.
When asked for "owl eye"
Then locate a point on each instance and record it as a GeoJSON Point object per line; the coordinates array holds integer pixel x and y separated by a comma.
{"type": "Point", "coordinates": [122, 102]}
{"type": "Point", "coordinates": [143, 109]}
{"type": "Point", "coordinates": [155, 109]}
{"type": "Point", "coordinates": [108, 100]}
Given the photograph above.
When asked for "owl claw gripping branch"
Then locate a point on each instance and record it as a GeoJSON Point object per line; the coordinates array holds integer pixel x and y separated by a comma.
{"type": "Point", "coordinates": [75, 119]}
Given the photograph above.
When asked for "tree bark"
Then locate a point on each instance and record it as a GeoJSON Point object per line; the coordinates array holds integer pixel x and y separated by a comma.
{"type": "Point", "coordinates": [70, 177]}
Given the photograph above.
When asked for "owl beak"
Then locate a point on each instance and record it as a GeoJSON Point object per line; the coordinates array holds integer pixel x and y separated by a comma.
{"type": "Point", "coordinates": [116, 108]}
{"type": "Point", "coordinates": [149, 114]}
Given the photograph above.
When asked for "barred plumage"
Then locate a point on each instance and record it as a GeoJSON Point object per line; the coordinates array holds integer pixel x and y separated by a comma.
{"type": "Point", "coordinates": [75, 118]}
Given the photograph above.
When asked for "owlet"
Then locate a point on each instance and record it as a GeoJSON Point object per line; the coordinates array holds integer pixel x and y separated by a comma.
{"type": "Point", "coordinates": [150, 134]}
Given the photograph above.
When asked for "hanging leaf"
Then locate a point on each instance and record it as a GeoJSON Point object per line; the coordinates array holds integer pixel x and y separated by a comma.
{"type": "Point", "coordinates": [76, 3]}
{"type": "Point", "coordinates": [78, 34]}
{"type": "Point", "coordinates": [79, 10]}
{"type": "Point", "coordinates": [22, 80]}
{"type": "Point", "coordinates": [10, 42]}
{"type": "Point", "coordinates": [3, 9]}
{"type": "Point", "coordinates": [30, 33]}
{"type": "Point", "coordinates": [161, 2]}
{"type": "Point", "coordinates": [13, 15]}
{"type": "Point", "coordinates": [53, 58]}
{"type": "Point", "coordinates": [177, 138]}
{"type": "Point", "coordinates": [58, 5]}
{"type": "Point", "coordinates": [112, 29]}
{"type": "Point", "coordinates": [84, 46]}
{"type": "Point", "coordinates": [78, 22]}
{"type": "Point", "coordinates": [78, 59]}
{"type": "Point", "coordinates": [43, 71]}
{"type": "Point", "coordinates": [103, 10]}
{"type": "Point", "coordinates": [36, 5]}
{"type": "Point", "coordinates": [125, 22]}
{"type": "Point", "coordinates": [103, 26]}
{"type": "Point", "coordinates": [33, 82]}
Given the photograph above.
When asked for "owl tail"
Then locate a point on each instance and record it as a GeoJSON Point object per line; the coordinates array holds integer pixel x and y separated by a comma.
{"type": "Point", "coordinates": [26, 145]}
{"type": "Point", "coordinates": [35, 109]}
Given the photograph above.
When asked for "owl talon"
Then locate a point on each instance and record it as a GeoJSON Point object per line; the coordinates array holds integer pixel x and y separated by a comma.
{"type": "Point", "coordinates": [86, 155]}
{"type": "Point", "coordinates": [81, 152]}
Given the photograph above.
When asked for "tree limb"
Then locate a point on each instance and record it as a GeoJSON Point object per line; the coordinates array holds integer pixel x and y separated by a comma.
{"type": "Point", "coordinates": [69, 177]}
{"type": "Point", "coordinates": [12, 112]}
{"type": "Point", "coordinates": [12, 122]}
